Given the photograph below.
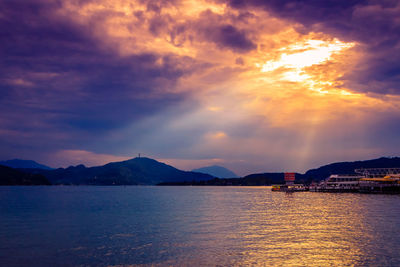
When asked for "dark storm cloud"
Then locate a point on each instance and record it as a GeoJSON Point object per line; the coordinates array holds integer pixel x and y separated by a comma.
{"type": "Point", "coordinates": [222, 31]}
{"type": "Point", "coordinates": [373, 24]}
{"type": "Point", "coordinates": [230, 37]}
{"type": "Point", "coordinates": [57, 75]}
{"type": "Point", "coordinates": [307, 12]}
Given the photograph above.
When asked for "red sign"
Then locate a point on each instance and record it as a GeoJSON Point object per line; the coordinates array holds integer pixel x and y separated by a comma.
{"type": "Point", "coordinates": [290, 176]}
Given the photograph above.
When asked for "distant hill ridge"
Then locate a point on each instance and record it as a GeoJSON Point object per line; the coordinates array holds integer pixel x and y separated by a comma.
{"type": "Point", "coordinates": [24, 164]}
{"type": "Point", "coordinates": [137, 171]}
{"type": "Point", "coordinates": [146, 171]}
{"type": "Point", "coordinates": [349, 167]}
{"type": "Point", "coordinates": [217, 171]}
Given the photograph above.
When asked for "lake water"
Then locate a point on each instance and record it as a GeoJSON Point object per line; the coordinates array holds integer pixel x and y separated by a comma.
{"type": "Point", "coordinates": [195, 226]}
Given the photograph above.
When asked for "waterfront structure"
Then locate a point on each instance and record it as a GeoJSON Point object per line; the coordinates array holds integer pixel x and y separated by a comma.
{"type": "Point", "coordinates": [289, 188]}
{"type": "Point", "coordinates": [374, 180]}
{"type": "Point", "coordinates": [338, 183]}
{"type": "Point", "coordinates": [289, 185]}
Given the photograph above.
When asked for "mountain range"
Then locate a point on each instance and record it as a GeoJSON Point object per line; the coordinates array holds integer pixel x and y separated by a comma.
{"type": "Point", "coordinates": [146, 171]}
{"type": "Point", "coordinates": [137, 171]}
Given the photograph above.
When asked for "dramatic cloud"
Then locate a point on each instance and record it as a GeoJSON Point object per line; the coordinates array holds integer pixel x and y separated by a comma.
{"type": "Point", "coordinates": [375, 25]}
{"type": "Point", "coordinates": [252, 85]}
{"type": "Point", "coordinates": [58, 76]}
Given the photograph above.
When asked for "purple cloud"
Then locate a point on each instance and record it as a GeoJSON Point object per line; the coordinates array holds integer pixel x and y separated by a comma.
{"type": "Point", "coordinates": [230, 37]}
{"type": "Point", "coordinates": [58, 78]}
{"type": "Point", "coordinates": [222, 31]}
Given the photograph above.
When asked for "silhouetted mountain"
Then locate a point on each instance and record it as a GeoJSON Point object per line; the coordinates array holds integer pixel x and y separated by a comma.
{"type": "Point", "coordinates": [137, 171]}
{"type": "Point", "coordinates": [24, 164]}
{"type": "Point", "coordinates": [217, 171]}
{"type": "Point", "coordinates": [325, 171]}
{"type": "Point", "coordinates": [349, 167]}
{"type": "Point", "coordinates": [10, 176]}
{"type": "Point", "coordinates": [145, 171]}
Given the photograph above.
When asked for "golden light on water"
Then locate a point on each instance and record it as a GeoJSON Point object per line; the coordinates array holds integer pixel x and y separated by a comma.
{"type": "Point", "coordinates": [274, 229]}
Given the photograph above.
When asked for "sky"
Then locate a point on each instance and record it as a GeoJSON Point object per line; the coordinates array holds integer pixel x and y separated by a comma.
{"type": "Point", "coordinates": [251, 85]}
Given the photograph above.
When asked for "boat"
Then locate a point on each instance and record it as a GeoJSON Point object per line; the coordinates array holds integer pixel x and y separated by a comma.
{"type": "Point", "coordinates": [338, 183]}
{"type": "Point", "coordinates": [289, 188]}
{"type": "Point", "coordinates": [276, 188]}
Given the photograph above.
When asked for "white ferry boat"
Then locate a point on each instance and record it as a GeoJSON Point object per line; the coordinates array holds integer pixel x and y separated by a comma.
{"type": "Point", "coordinates": [338, 183]}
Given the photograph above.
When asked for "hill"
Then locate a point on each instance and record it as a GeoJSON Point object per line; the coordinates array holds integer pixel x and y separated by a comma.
{"type": "Point", "coordinates": [24, 164]}
{"type": "Point", "coordinates": [146, 171]}
{"type": "Point", "coordinates": [325, 171]}
{"type": "Point", "coordinates": [217, 171]}
{"type": "Point", "coordinates": [137, 171]}
{"type": "Point", "coordinates": [10, 176]}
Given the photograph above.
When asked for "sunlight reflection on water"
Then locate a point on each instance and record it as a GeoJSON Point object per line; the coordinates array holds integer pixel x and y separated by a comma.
{"type": "Point", "coordinates": [199, 226]}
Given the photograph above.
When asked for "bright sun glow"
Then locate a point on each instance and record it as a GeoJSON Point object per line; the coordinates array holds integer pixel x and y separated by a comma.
{"type": "Point", "coordinates": [313, 52]}
{"type": "Point", "coordinates": [295, 58]}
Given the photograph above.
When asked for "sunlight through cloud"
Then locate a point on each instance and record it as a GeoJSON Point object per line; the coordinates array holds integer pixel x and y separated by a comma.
{"type": "Point", "coordinates": [296, 58]}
